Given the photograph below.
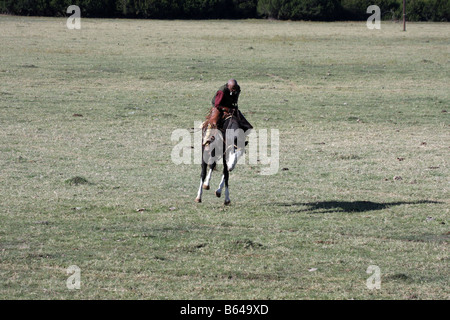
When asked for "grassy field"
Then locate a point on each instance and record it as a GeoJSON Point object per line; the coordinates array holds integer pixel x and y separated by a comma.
{"type": "Point", "coordinates": [354, 107]}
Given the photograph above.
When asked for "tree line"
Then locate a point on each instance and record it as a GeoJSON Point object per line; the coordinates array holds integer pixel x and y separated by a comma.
{"type": "Point", "coordinates": [314, 10]}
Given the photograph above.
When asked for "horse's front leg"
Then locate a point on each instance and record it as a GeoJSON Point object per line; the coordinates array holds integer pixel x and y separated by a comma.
{"type": "Point", "coordinates": [234, 158]}
{"type": "Point", "coordinates": [208, 176]}
{"type": "Point", "coordinates": [202, 179]}
{"type": "Point", "coordinates": [226, 174]}
{"type": "Point", "coordinates": [219, 189]}
{"type": "Point", "coordinates": [199, 193]}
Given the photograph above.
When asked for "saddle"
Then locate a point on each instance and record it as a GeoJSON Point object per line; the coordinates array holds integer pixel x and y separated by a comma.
{"type": "Point", "coordinates": [217, 116]}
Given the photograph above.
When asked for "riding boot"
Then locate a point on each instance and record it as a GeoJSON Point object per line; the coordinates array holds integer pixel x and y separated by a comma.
{"type": "Point", "coordinates": [208, 137]}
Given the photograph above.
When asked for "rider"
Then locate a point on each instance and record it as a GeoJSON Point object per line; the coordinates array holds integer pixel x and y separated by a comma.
{"type": "Point", "coordinates": [224, 104]}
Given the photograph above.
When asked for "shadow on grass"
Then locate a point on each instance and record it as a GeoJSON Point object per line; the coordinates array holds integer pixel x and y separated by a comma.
{"type": "Point", "coordinates": [349, 206]}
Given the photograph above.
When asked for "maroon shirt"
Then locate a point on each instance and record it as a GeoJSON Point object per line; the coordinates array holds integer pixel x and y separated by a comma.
{"type": "Point", "coordinates": [223, 99]}
{"type": "Point", "coordinates": [219, 97]}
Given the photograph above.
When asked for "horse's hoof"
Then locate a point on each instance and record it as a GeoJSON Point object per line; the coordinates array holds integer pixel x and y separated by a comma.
{"type": "Point", "coordinates": [198, 200]}
{"type": "Point", "coordinates": [227, 202]}
{"type": "Point", "coordinates": [218, 194]}
{"type": "Point", "coordinates": [206, 187]}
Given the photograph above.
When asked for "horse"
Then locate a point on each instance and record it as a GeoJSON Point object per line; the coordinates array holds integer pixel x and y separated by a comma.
{"type": "Point", "coordinates": [229, 144]}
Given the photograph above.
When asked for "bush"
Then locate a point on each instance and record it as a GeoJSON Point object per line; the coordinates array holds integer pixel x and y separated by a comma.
{"type": "Point", "coordinates": [323, 10]}
{"type": "Point", "coordinates": [300, 9]}
{"type": "Point", "coordinates": [428, 10]}
{"type": "Point", "coordinates": [245, 8]}
{"type": "Point", "coordinates": [416, 10]}
{"type": "Point", "coordinates": [89, 8]}
{"type": "Point", "coordinates": [197, 9]}
{"type": "Point", "coordinates": [357, 9]}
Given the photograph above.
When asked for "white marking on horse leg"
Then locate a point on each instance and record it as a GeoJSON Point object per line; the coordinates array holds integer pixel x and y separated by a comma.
{"type": "Point", "coordinates": [234, 158]}
{"type": "Point", "coordinates": [227, 196]}
{"type": "Point", "coordinates": [199, 193]}
{"type": "Point", "coordinates": [219, 190]}
{"type": "Point", "coordinates": [207, 180]}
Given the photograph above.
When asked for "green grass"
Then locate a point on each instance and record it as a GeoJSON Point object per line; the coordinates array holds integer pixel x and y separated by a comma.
{"type": "Point", "coordinates": [86, 176]}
